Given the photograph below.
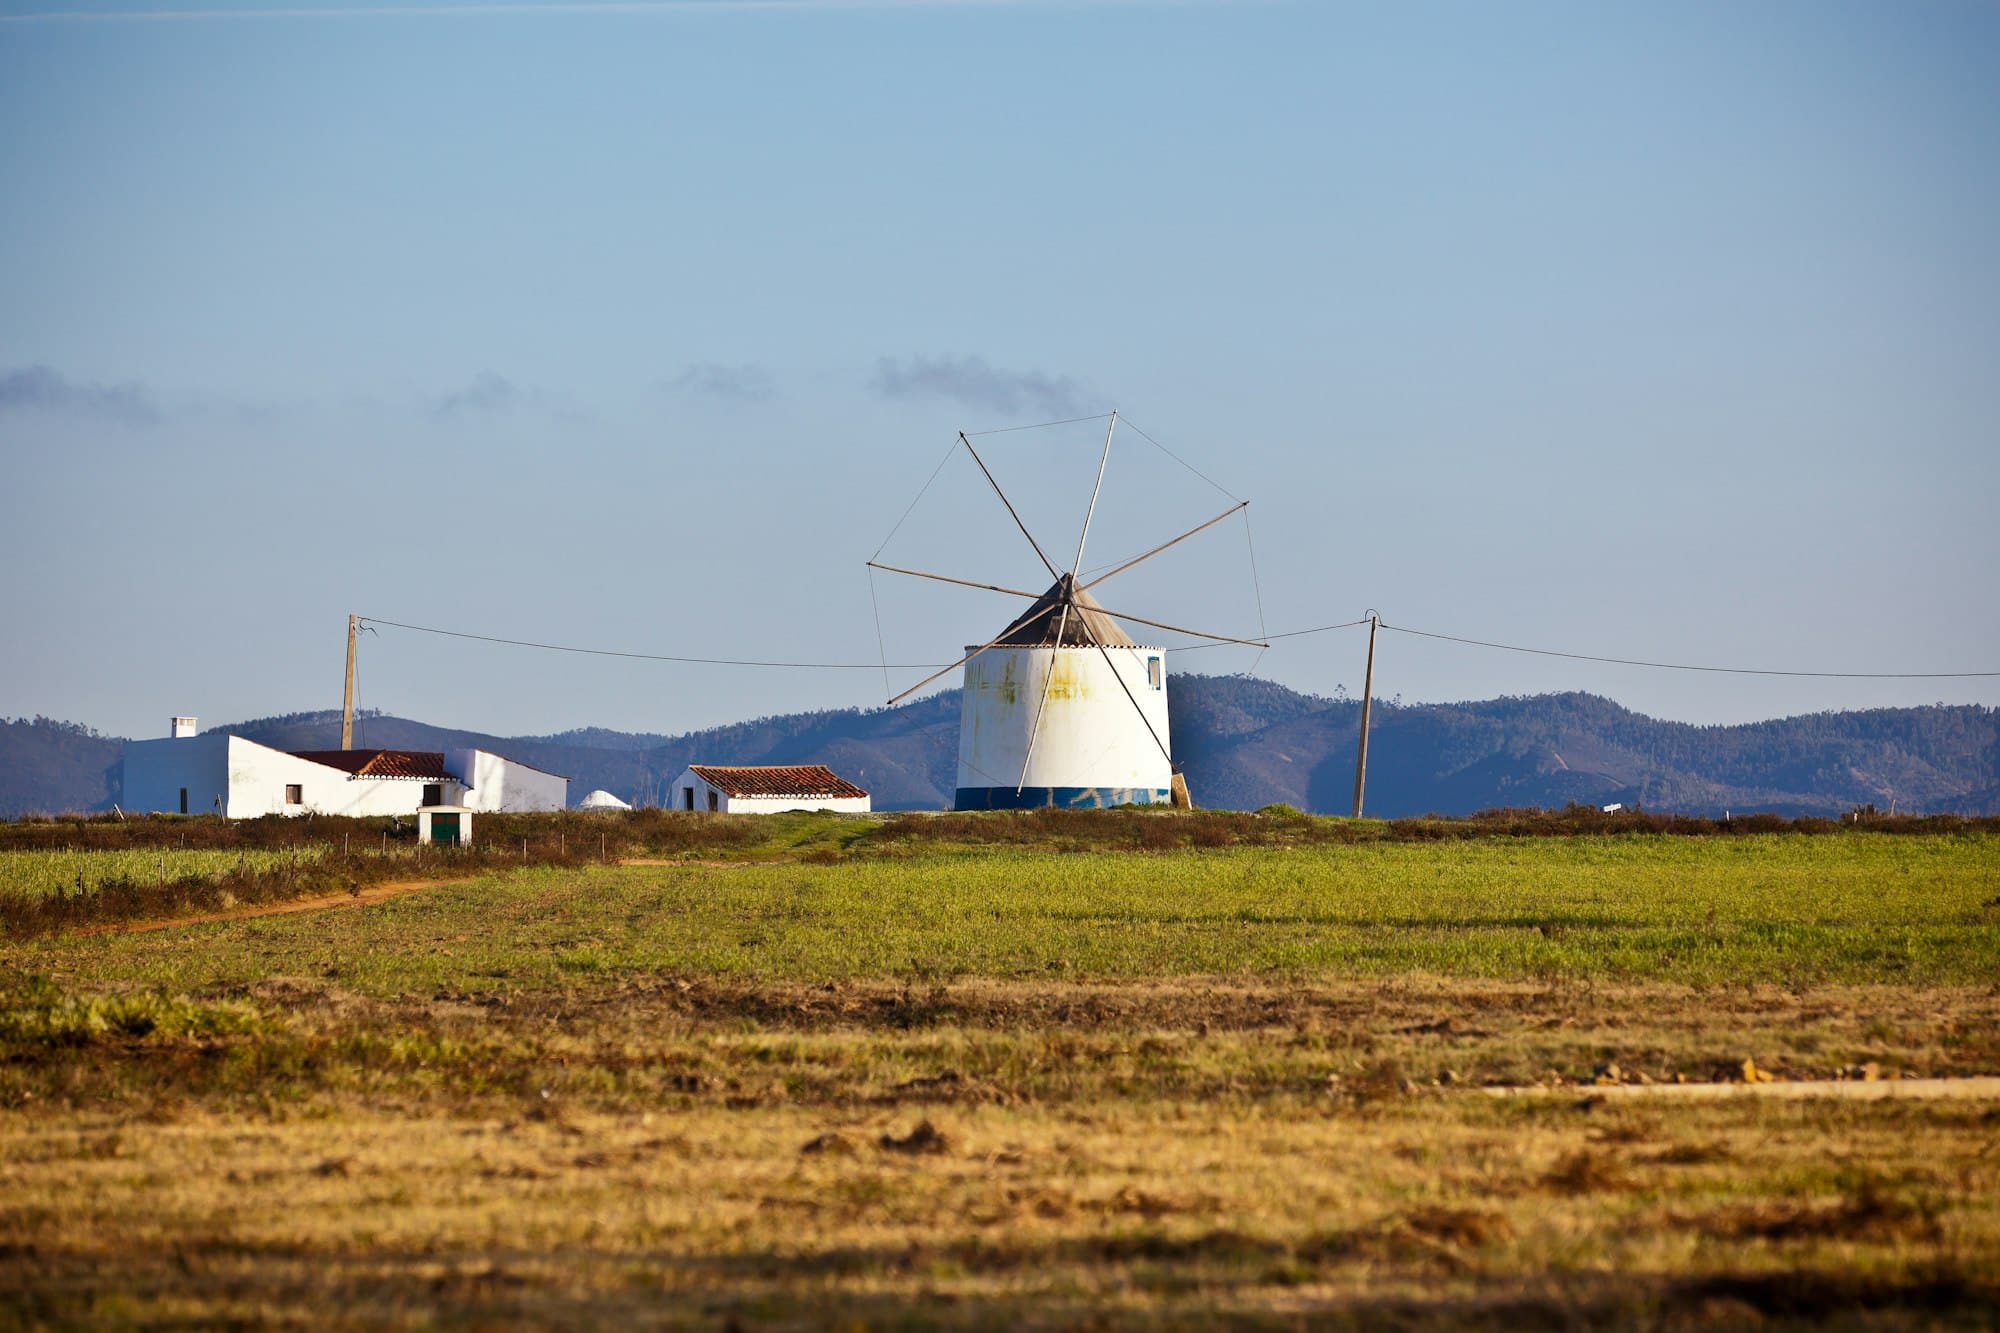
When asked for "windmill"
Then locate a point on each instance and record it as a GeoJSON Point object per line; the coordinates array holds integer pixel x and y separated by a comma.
{"type": "Point", "coordinates": [1063, 707]}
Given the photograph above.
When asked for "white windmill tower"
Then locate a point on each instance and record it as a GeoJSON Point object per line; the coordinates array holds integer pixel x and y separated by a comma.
{"type": "Point", "coordinates": [1063, 707]}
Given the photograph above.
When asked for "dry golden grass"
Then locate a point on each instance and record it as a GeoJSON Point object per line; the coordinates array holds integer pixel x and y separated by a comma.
{"type": "Point", "coordinates": [988, 1154]}
{"type": "Point", "coordinates": [1433, 1209]}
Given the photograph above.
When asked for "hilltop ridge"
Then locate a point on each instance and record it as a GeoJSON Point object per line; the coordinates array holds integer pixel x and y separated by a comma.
{"type": "Point", "coordinates": [1243, 742]}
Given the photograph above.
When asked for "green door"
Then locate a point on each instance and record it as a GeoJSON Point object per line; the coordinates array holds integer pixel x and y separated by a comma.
{"type": "Point", "coordinates": [444, 829]}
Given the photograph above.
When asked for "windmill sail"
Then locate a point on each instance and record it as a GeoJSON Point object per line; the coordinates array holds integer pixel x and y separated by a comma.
{"type": "Point", "coordinates": [1063, 707]}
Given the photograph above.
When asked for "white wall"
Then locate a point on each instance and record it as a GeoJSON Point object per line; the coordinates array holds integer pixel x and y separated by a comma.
{"type": "Point", "coordinates": [1093, 746]}
{"type": "Point", "coordinates": [258, 776]}
{"type": "Point", "coordinates": [777, 805]}
{"type": "Point", "coordinates": [494, 782]}
{"type": "Point", "coordinates": [252, 778]}
{"type": "Point", "coordinates": [689, 780]}
{"type": "Point", "coordinates": [156, 771]}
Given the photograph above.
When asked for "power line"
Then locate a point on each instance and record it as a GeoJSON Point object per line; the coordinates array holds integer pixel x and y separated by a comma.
{"type": "Point", "coordinates": [1682, 666]}
{"type": "Point", "coordinates": [653, 657]}
{"type": "Point", "coordinates": [1287, 634]}
{"type": "Point", "coordinates": [1318, 629]}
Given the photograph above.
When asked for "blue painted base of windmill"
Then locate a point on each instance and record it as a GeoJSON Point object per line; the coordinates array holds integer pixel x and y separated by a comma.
{"type": "Point", "coordinates": [1066, 798]}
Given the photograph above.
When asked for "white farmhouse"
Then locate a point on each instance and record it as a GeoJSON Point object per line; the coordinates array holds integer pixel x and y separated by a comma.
{"type": "Point", "coordinates": [240, 779]}
{"type": "Point", "coordinates": [767, 791]}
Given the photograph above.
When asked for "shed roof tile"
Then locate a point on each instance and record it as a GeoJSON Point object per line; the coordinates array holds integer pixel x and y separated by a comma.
{"type": "Point", "coordinates": [778, 780]}
{"type": "Point", "coordinates": [424, 765]}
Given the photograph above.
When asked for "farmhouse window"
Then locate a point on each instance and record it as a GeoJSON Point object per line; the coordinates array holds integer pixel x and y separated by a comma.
{"type": "Point", "coordinates": [687, 794]}
{"type": "Point", "coordinates": [295, 793]}
{"type": "Point", "coordinates": [184, 800]}
{"type": "Point", "coordinates": [433, 793]}
{"type": "Point", "coordinates": [711, 799]}
{"type": "Point", "coordinates": [1153, 672]}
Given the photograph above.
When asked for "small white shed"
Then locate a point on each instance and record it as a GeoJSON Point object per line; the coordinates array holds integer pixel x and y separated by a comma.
{"type": "Point", "coordinates": [446, 825]}
{"type": "Point", "coordinates": [602, 800]}
{"type": "Point", "coordinates": [766, 790]}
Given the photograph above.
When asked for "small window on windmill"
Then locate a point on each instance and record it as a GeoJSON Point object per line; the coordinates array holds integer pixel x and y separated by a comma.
{"type": "Point", "coordinates": [295, 793]}
{"type": "Point", "coordinates": [1153, 672]}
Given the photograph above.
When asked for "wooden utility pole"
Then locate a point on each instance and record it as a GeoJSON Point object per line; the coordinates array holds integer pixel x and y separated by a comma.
{"type": "Point", "coordinates": [347, 696]}
{"type": "Point", "coordinates": [1367, 697]}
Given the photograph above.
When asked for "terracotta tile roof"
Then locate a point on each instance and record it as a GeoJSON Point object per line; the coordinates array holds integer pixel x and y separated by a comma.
{"type": "Point", "coordinates": [424, 765]}
{"type": "Point", "coordinates": [783, 780]}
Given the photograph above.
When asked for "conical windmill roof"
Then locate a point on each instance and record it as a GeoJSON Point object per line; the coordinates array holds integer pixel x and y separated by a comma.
{"type": "Point", "coordinates": [1088, 623]}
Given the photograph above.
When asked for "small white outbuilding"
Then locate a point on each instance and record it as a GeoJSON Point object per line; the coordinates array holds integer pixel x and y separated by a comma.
{"type": "Point", "coordinates": [766, 790]}
{"type": "Point", "coordinates": [444, 826]}
{"type": "Point", "coordinates": [602, 800]}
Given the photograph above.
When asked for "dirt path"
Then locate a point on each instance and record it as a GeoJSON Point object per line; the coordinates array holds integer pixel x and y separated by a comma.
{"type": "Point", "coordinates": [1977, 1088]}
{"type": "Point", "coordinates": [321, 902]}
{"type": "Point", "coordinates": [688, 861]}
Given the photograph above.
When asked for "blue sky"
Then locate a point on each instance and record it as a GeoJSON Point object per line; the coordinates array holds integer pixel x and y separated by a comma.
{"type": "Point", "coordinates": [1659, 332]}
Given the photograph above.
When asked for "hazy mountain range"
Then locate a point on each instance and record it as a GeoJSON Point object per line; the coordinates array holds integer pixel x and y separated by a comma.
{"type": "Point", "coordinates": [1243, 743]}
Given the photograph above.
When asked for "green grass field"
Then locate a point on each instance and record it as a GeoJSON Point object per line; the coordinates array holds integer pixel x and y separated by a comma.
{"type": "Point", "coordinates": [839, 1075]}
{"type": "Point", "coordinates": [39, 874]}
{"type": "Point", "coordinates": [1856, 908]}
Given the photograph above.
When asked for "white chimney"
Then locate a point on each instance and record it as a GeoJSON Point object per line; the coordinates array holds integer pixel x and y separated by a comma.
{"type": "Point", "coordinates": [183, 726]}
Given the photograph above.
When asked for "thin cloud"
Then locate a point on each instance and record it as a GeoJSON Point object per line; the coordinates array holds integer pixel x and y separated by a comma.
{"type": "Point", "coordinates": [742, 383]}
{"type": "Point", "coordinates": [479, 8]}
{"type": "Point", "coordinates": [971, 381]}
{"type": "Point", "coordinates": [40, 389]}
{"type": "Point", "coordinates": [488, 395]}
